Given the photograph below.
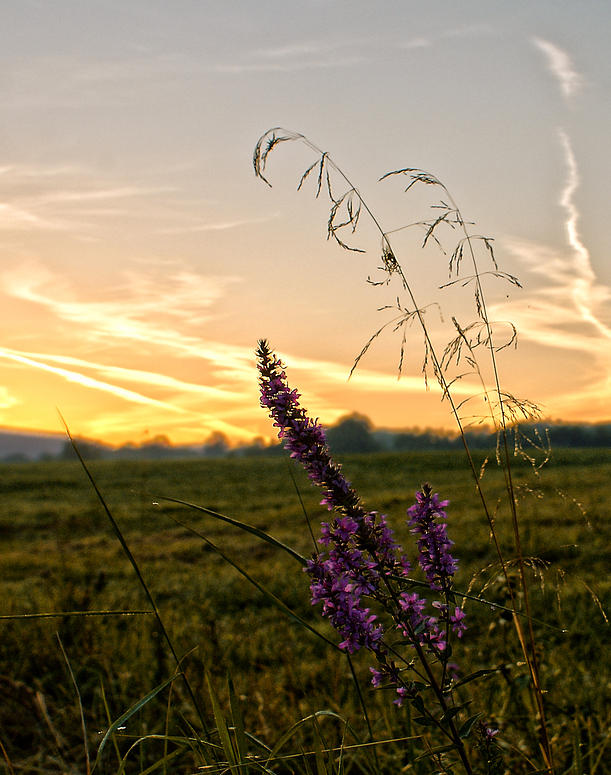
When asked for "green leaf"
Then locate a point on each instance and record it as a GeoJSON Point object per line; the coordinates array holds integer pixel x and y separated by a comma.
{"type": "Point", "coordinates": [242, 525]}
{"type": "Point", "coordinates": [418, 703]}
{"type": "Point", "coordinates": [321, 766]}
{"type": "Point", "coordinates": [238, 724]}
{"type": "Point", "coordinates": [467, 726]}
{"type": "Point", "coordinates": [120, 722]}
{"type": "Point", "coordinates": [222, 728]}
{"type": "Point", "coordinates": [452, 712]}
{"type": "Point", "coordinates": [436, 751]}
{"type": "Point", "coordinates": [424, 721]}
{"type": "Point", "coordinates": [473, 676]}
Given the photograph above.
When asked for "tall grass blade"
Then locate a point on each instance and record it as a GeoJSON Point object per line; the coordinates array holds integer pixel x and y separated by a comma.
{"type": "Point", "coordinates": [120, 722]}
{"type": "Point", "coordinates": [109, 721]}
{"type": "Point", "coordinates": [136, 568]}
{"type": "Point", "coordinates": [75, 613]}
{"type": "Point", "coordinates": [6, 759]}
{"type": "Point", "coordinates": [242, 525]}
{"type": "Point", "coordinates": [238, 725]}
{"type": "Point", "coordinates": [80, 704]}
{"type": "Point", "coordinates": [275, 600]}
{"type": "Point", "coordinates": [222, 729]}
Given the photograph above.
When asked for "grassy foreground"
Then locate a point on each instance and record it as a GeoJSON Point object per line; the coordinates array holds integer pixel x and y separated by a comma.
{"type": "Point", "coordinates": [58, 553]}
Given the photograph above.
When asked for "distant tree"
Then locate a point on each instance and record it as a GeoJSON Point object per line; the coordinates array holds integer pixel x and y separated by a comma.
{"type": "Point", "coordinates": [17, 457]}
{"type": "Point", "coordinates": [423, 441]}
{"type": "Point", "coordinates": [257, 448]}
{"type": "Point", "coordinates": [160, 440]}
{"type": "Point", "coordinates": [216, 445]}
{"type": "Point", "coordinates": [352, 433]}
{"type": "Point", "coordinates": [88, 450]}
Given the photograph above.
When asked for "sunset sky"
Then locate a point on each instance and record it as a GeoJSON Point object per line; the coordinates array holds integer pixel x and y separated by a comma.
{"type": "Point", "coordinates": [141, 260]}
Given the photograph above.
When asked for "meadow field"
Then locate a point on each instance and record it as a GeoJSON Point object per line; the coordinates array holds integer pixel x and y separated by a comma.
{"type": "Point", "coordinates": [59, 554]}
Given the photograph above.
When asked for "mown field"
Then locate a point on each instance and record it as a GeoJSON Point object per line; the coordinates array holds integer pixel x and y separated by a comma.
{"type": "Point", "coordinates": [58, 553]}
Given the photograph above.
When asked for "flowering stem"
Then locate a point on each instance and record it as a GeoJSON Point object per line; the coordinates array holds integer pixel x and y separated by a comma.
{"type": "Point", "coordinates": [363, 561]}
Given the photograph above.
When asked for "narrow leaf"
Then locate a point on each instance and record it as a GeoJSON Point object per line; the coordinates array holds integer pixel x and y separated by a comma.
{"type": "Point", "coordinates": [475, 675]}
{"type": "Point", "coordinates": [221, 726]}
{"type": "Point", "coordinates": [238, 724]}
{"type": "Point", "coordinates": [242, 525]}
{"type": "Point", "coordinates": [134, 709]}
{"type": "Point", "coordinates": [467, 726]}
{"type": "Point", "coordinates": [452, 712]}
{"type": "Point", "coordinates": [277, 602]}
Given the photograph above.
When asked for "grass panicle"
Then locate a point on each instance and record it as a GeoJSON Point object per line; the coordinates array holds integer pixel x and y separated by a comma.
{"type": "Point", "coordinates": [471, 337]}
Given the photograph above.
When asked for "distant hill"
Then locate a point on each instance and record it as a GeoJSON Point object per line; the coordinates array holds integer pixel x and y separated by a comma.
{"type": "Point", "coordinates": [351, 434]}
{"type": "Point", "coordinates": [23, 445]}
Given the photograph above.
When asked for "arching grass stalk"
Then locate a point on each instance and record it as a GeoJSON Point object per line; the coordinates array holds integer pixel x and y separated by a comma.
{"type": "Point", "coordinates": [345, 213]}
{"type": "Point", "coordinates": [142, 582]}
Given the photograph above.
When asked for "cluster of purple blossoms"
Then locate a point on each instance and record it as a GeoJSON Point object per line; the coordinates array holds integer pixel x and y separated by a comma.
{"type": "Point", "coordinates": [433, 543]}
{"type": "Point", "coordinates": [303, 437]}
{"type": "Point", "coordinates": [361, 554]}
{"type": "Point", "coordinates": [361, 547]}
{"type": "Point", "coordinates": [435, 559]}
{"type": "Point", "coordinates": [363, 559]}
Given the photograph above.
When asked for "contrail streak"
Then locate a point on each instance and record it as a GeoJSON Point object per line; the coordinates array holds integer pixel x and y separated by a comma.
{"type": "Point", "coordinates": [585, 278]}
{"type": "Point", "coordinates": [81, 379]}
{"type": "Point", "coordinates": [560, 65]}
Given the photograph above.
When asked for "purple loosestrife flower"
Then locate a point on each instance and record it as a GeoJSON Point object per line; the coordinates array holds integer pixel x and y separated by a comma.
{"type": "Point", "coordinates": [417, 626]}
{"type": "Point", "coordinates": [433, 544]}
{"type": "Point", "coordinates": [361, 547]}
{"type": "Point", "coordinates": [303, 437]}
{"type": "Point", "coordinates": [439, 568]}
{"type": "Point", "coordinates": [457, 623]}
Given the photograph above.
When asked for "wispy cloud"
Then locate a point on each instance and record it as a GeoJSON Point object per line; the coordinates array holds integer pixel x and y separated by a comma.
{"type": "Point", "coordinates": [560, 65]}
{"type": "Point", "coordinates": [140, 310]}
{"type": "Point", "coordinates": [64, 199]}
{"type": "Point", "coordinates": [462, 31]}
{"type": "Point", "coordinates": [23, 219]}
{"type": "Point", "coordinates": [365, 380]}
{"type": "Point", "coordinates": [306, 63]}
{"type": "Point", "coordinates": [7, 399]}
{"type": "Point", "coordinates": [167, 315]}
{"type": "Point", "coordinates": [176, 387]}
{"type": "Point", "coordinates": [218, 226]}
{"type": "Point", "coordinates": [187, 410]}
{"type": "Point", "coordinates": [73, 80]}
{"type": "Point", "coordinates": [88, 382]}
{"type": "Point", "coordinates": [145, 321]}
{"type": "Point", "coordinates": [586, 293]}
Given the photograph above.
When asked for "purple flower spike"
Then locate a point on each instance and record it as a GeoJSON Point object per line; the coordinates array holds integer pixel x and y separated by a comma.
{"type": "Point", "coordinates": [362, 561]}
{"type": "Point", "coordinates": [362, 551]}
{"type": "Point", "coordinates": [303, 437]}
{"type": "Point", "coordinates": [434, 545]}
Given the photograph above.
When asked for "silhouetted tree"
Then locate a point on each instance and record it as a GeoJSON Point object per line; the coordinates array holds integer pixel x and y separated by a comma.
{"type": "Point", "coordinates": [352, 434]}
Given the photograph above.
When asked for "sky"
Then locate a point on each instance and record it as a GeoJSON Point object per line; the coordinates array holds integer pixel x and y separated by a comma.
{"type": "Point", "coordinates": [141, 259]}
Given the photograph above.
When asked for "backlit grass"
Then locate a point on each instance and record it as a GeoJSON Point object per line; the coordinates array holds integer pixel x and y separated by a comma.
{"type": "Point", "coordinates": [58, 554]}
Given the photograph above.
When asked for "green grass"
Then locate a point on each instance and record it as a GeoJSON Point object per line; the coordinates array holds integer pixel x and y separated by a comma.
{"type": "Point", "coordinates": [58, 553]}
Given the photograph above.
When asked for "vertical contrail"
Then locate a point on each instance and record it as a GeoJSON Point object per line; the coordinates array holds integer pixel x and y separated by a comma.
{"type": "Point", "coordinates": [560, 65]}
{"type": "Point", "coordinates": [585, 277]}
